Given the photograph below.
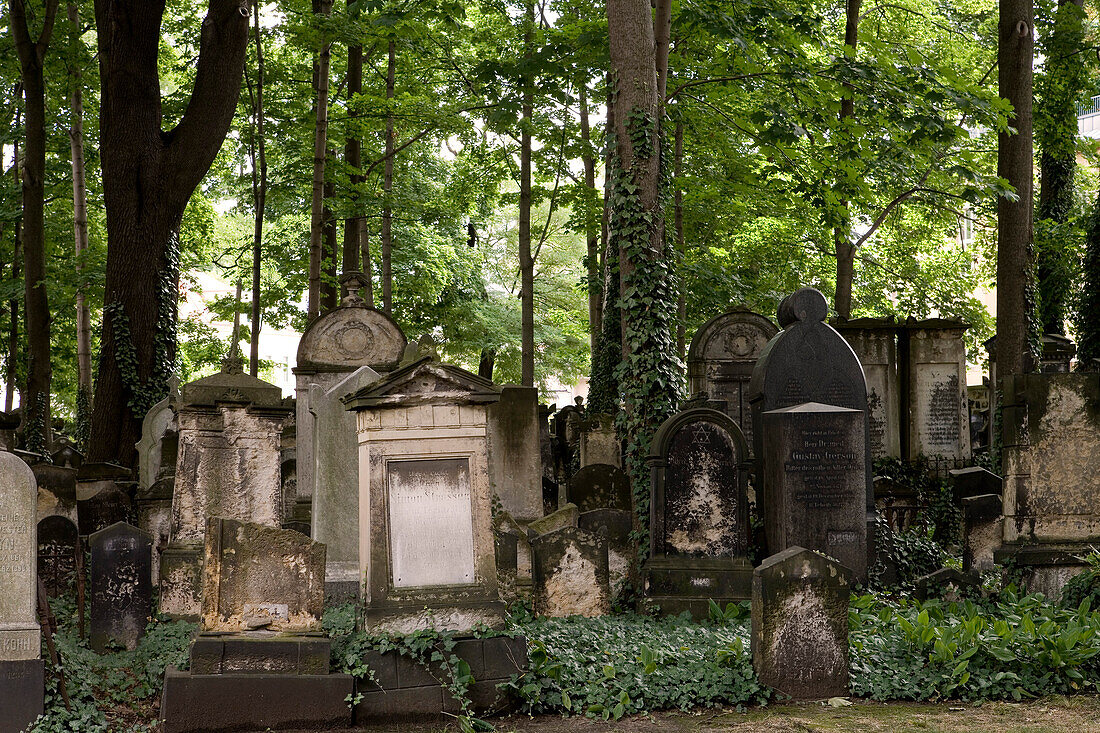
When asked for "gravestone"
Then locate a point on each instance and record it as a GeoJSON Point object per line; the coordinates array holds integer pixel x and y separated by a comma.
{"type": "Point", "coordinates": [814, 482]}
{"type": "Point", "coordinates": [598, 442]}
{"type": "Point", "coordinates": [335, 516]}
{"type": "Point", "coordinates": [100, 504]}
{"type": "Point", "coordinates": [121, 586]}
{"type": "Point", "coordinates": [974, 481]}
{"type": "Point", "coordinates": [425, 499]}
{"type": "Point", "coordinates": [9, 422]}
{"type": "Point", "coordinates": [947, 584]}
{"type": "Point", "coordinates": [615, 525]}
{"type": "Point", "coordinates": [874, 342]}
{"type": "Point", "coordinates": [938, 425]}
{"type": "Point", "coordinates": [570, 571]}
{"type": "Point", "coordinates": [549, 469]}
{"type": "Point", "coordinates": [158, 425]}
{"type": "Point", "coordinates": [334, 345]}
{"type": "Point", "coordinates": [515, 462]}
{"type": "Point", "coordinates": [229, 448]}
{"type": "Point", "coordinates": [808, 361]}
{"type": "Point", "coordinates": [21, 669]}
{"type": "Point", "coordinates": [1056, 354]}
{"type": "Point", "coordinates": [600, 486]}
{"type": "Point", "coordinates": [699, 523]}
{"type": "Point", "coordinates": [800, 624]}
{"type": "Point", "coordinates": [57, 548]}
{"type": "Point", "coordinates": [983, 530]}
{"type": "Point", "coordinates": [565, 517]}
{"type": "Point", "coordinates": [67, 456]}
{"type": "Point", "coordinates": [56, 491]}
{"type": "Point", "coordinates": [721, 359]}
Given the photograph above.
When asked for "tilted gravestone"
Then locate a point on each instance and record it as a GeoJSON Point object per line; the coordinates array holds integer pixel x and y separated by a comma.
{"type": "Point", "coordinates": [721, 358]}
{"type": "Point", "coordinates": [600, 486]}
{"type": "Point", "coordinates": [121, 585]}
{"type": "Point", "coordinates": [800, 624]}
{"type": "Point", "coordinates": [814, 492]}
{"type": "Point", "coordinates": [570, 571]}
{"type": "Point", "coordinates": [699, 522]}
{"type": "Point", "coordinates": [21, 669]}
{"type": "Point", "coordinates": [57, 548]}
{"type": "Point", "coordinates": [808, 362]}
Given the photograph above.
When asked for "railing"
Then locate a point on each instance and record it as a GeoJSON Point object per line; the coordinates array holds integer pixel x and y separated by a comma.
{"type": "Point", "coordinates": [1090, 109]}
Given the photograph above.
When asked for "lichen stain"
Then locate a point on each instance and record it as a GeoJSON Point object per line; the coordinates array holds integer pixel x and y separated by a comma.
{"type": "Point", "coordinates": [573, 588]}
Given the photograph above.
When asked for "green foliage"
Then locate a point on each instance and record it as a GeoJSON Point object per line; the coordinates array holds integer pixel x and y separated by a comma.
{"type": "Point", "coordinates": [1085, 586]}
{"type": "Point", "coordinates": [612, 666]}
{"type": "Point", "coordinates": [911, 554]}
{"type": "Point", "coordinates": [938, 513]}
{"type": "Point", "coordinates": [1018, 647]}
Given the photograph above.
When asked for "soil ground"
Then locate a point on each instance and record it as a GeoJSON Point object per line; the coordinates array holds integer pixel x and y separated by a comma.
{"type": "Point", "coordinates": [1054, 715]}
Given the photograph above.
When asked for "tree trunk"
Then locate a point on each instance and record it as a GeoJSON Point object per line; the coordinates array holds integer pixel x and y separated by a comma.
{"type": "Point", "coordinates": [592, 234]}
{"type": "Point", "coordinates": [148, 177]}
{"type": "Point", "coordinates": [1014, 163]}
{"type": "Point", "coordinates": [12, 375]}
{"type": "Point", "coordinates": [842, 232]}
{"type": "Point", "coordinates": [320, 146]}
{"type": "Point", "coordinates": [80, 211]}
{"type": "Point", "coordinates": [526, 262]}
{"type": "Point", "coordinates": [364, 256]}
{"type": "Point", "coordinates": [32, 54]}
{"type": "Point", "coordinates": [330, 289]}
{"type": "Point", "coordinates": [387, 188]}
{"type": "Point", "coordinates": [678, 225]}
{"type": "Point", "coordinates": [353, 155]}
{"type": "Point", "coordinates": [662, 31]}
{"type": "Point", "coordinates": [259, 189]}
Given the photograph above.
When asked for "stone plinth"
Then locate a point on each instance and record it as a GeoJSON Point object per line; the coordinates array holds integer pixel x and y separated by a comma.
{"type": "Point", "coordinates": [425, 499]}
{"type": "Point", "coordinates": [800, 624]}
{"type": "Point", "coordinates": [814, 472]}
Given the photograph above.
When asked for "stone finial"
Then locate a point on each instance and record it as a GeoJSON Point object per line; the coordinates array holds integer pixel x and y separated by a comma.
{"type": "Point", "coordinates": [351, 282]}
{"type": "Point", "coordinates": [806, 304]}
{"type": "Point", "coordinates": [425, 346]}
{"type": "Point", "coordinates": [233, 363]}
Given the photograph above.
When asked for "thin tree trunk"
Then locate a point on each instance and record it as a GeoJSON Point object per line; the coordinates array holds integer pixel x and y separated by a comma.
{"type": "Point", "coordinates": [13, 305]}
{"type": "Point", "coordinates": [80, 211]}
{"type": "Point", "coordinates": [32, 53]}
{"type": "Point", "coordinates": [662, 33]}
{"type": "Point", "coordinates": [330, 290]}
{"type": "Point", "coordinates": [259, 189]}
{"type": "Point", "coordinates": [1014, 163]}
{"type": "Point", "coordinates": [842, 240]}
{"type": "Point", "coordinates": [353, 224]}
{"type": "Point", "coordinates": [592, 234]}
{"type": "Point", "coordinates": [364, 254]}
{"type": "Point", "coordinates": [526, 263]}
{"type": "Point", "coordinates": [678, 225]}
{"type": "Point", "coordinates": [320, 146]}
{"type": "Point", "coordinates": [387, 188]}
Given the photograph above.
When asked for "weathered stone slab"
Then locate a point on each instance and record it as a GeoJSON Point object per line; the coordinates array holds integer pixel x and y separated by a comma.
{"type": "Point", "coordinates": [19, 630]}
{"type": "Point", "coordinates": [515, 461]}
{"type": "Point", "coordinates": [800, 624]}
{"type": "Point", "coordinates": [121, 586]}
{"type": "Point", "coordinates": [600, 486]}
{"type": "Point", "coordinates": [156, 426]}
{"type": "Point", "coordinates": [874, 342]}
{"type": "Point", "coordinates": [939, 418]}
{"type": "Point", "coordinates": [721, 358]}
{"type": "Point", "coordinates": [22, 685]}
{"type": "Point", "coordinates": [101, 503]}
{"type": "Point", "coordinates": [974, 481]}
{"type": "Point", "coordinates": [57, 548]}
{"type": "Point", "coordinates": [570, 569]}
{"type": "Point", "coordinates": [562, 518]}
{"type": "Point", "coordinates": [56, 490]}
{"type": "Point", "coordinates": [983, 530]}
{"type": "Point", "coordinates": [947, 584]}
{"type": "Point", "coordinates": [615, 525]}
{"type": "Point", "coordinates": [255, 576]}
{"type": "Point", "coordinates": [814, 482]}
{"type": "Point", "coordinates": [598, 442]}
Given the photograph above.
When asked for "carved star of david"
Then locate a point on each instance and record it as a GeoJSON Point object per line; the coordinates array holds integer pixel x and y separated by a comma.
{"type": "Point", "coordinates": [700, 435]}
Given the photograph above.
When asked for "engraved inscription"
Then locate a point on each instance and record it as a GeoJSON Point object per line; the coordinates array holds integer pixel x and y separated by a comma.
{"type": "Point", "coordinates": [823, 470]}
{"type": "Point", "coordinates": [14, 533]}
{"type": "Point", "coordinates": [942, 427]}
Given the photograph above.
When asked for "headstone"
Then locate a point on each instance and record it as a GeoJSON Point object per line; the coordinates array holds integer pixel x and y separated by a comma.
{"type": "Point", "coordinates": [600, 486]}
{"type": "Point", "coordinates": [800, 624]}
{"type": "Point", "coordinates": [56, 491]}
{"type": "Point", "coordinates": [260, 577]}
{"type": "Point", "coordinates": [549, 468]}
{"type": "Point", "coordinates": [121, 586]}
{"type": "Point", "coordinates": [425, 499]}
{"type": "Point", "coordinates": [983, 530]}
{"type": "Point", "coordinates": [229, 449]}
{"type": "Point", "coordinates": [515, 463]}
{"type": "Point", "coordinates": [974, 481]}
{"type": "Point", "coordinates": [564, 517]}
{"type": "Point", "coordinates": [21, 669]}
{"type": "Point", "coordinates": [699, 523]}
{"type": "Point", "coordinates": [9, 423]}
{"type": "Point", "coordinates": [57, 548]}
{"type": "Point", "coordinates": [67, 456]}
{"type": "Point", "coordinates": [158, 422]}
{"type": "Point", "coordinates": [598, 442]}
{"type": "Point", "coordinates": [814, 482]}
{"type": "Point", "coordinates": [334, 345]}
{"type": "Point", "coordinates": [99, 504]}
{"type": "Point", "coordinates": [335, 451]}
{"type": "Point", "coordinates": [513, 538]}
{"type": "Point", "coordinates": [571, 573]}
{"type": "Point", "coordinates": [616, 525]}
{"type": "Point", "coordinates": [721, 359]}
{"type": "Point", "coordinates": [1056, 354]}
{"type": "Point", "coordinates": [938, 413]}
{"type": "Point", "coordinates": [947, 584]}
{"type": "Point", "coordinates": [874, 342]}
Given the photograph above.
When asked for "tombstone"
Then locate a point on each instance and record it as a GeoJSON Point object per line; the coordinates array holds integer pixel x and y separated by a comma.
{"type": "Point", "coordinates": [938, 424]}
{"type": "Point", "coordinates": [56, 491]}
{"type": "Point", "coordinates": [100, 504]}
{"type": "Point", "coordinates": [549, 468]}
{"type": "Point", "coordinates": [800, 624]}
{"type": "Point", "coordinates": [598, 443]}
{"type": "Point", "coordinates": [1056, 354]}
{"type": "Point", "coordinates": [600, 486]}
{"type": "Point", "coordinates": [721, 359]}
{"type": "Point", "coordinates": [513, 547]}
{"type": "Point", "coordinates": [260, 660]}
{"type": "Point", "coordinates": [565, 517]}
{"type": "Point", "coordinates": [57, 548]}
{"type": "Point", "coordinates": [67, 456]}
{"type": "Point", "coordinates": [336, 344]}
{"type": "Point", "coordinates": [616, 525]}
{"type": "Point", "coordinates": [515, 463]}
{"type": "Point", "coordinates": [983, 530]}
{"type": "Point", "coordinates": [947, 584]}
{"type": "Point", "coordinates": [874, 342]}
{"type": "Point", "coordinates": [229, 446]}
{"type": "Point", "coordinates": [121, 586]}
{"type": "Point", "coordinates": [425, 499]}
{"type": "Point", "coordinates": [570, 569]}
{"type": "Point", "coordinates": [9, 423]}
{"type": "Point", "coordinates": [699, 523]}
{"type": "Point", "coordinates": [814, 492]}
{"type": "Point", "coordinates": [21, 669]}
{"type": "Point", "coordinates": [158, 423]}
{"type": "Point", "coordinates": [974, 481]}
{"type": "Point", "coordinates": [808, 361]}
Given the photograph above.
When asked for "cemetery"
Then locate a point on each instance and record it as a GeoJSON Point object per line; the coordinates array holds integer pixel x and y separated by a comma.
{"type": "Point", "coordinates": [541, 366]}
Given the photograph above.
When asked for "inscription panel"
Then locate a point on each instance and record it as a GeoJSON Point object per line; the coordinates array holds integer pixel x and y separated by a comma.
{"type": "Point", "coordinates": [19, 633]}
{"type": "Point", "coordinates": [939, 410]}
{"type": "Point", "coordinates": [431, 522]}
